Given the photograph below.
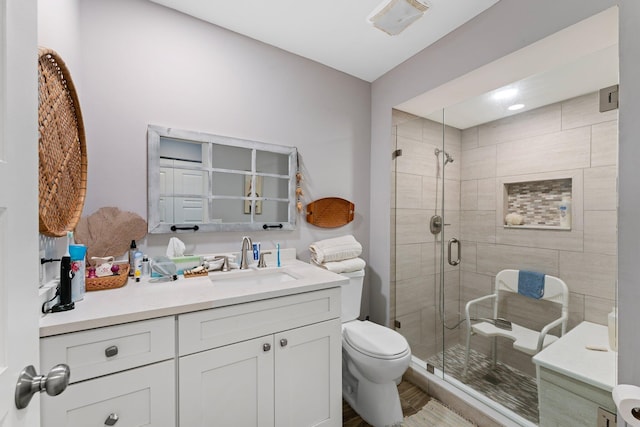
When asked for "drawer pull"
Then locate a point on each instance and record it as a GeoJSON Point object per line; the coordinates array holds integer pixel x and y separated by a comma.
{"type": "Point", "coordinates": [266, 347]}
{"type": "Point", "coordinates": [283, 342]}
{"type": "Point", "coordinates": [110, 352]}
{"type": "Point", "coordinates": [112, 419]}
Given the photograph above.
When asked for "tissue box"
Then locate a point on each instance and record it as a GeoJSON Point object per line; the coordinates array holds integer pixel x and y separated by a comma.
{"type": "Point", "coordinates": [186, 263]}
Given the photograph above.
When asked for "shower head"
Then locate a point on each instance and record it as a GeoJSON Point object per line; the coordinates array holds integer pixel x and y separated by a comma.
{"type": "Point", "coordinates": [447, 157]}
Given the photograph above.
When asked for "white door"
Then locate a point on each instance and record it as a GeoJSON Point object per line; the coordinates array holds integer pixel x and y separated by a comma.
{"type": "Point", "coordinates": [188, 209]}
{"type": "Point", "coordinates": [174, 180]}
{"type": "Point", "coordinates": [19, 311]}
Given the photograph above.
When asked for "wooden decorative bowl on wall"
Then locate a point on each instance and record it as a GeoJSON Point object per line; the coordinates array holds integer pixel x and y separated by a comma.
{"type": "Point", "coordinates": [330, 212]}
{"type": "Point", "coordinates": [62, 147]}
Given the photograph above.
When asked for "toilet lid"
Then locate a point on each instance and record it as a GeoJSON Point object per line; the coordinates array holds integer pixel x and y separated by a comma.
{"type": "Point", "coordinates": [374, 340]}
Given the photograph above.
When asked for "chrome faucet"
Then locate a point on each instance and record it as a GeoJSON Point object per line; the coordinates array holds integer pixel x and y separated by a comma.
{"type": "Point", "coordinates": [247, 245]}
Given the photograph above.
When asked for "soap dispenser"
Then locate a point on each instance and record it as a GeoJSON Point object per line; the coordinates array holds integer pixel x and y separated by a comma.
{"type": "Point", "coordinates": [565, 212]}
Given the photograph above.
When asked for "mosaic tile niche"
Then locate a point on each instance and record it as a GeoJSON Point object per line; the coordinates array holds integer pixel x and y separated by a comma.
{"type": "Point", "coordinates": [538, 201]}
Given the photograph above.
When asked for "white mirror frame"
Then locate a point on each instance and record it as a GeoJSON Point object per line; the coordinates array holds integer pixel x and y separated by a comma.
{"type": "Point", "coordinates": [155, 226]}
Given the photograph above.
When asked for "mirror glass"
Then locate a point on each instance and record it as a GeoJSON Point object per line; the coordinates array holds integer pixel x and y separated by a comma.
{"type": "Point", "coordinates": [206, 182]}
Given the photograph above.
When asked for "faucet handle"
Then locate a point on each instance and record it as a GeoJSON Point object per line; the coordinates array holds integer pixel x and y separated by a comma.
{"type": "Point", "coordinates": [225, 262]}
{"type": "Point", "coordinates": [261, 261]}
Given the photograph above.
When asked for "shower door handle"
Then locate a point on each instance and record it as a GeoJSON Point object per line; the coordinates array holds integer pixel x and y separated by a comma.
{"type": "Point", "coordinates": [451, 242]}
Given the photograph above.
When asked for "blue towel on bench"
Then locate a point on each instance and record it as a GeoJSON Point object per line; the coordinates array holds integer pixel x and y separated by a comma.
{"type": "Point", "coordinates": [531, 284]}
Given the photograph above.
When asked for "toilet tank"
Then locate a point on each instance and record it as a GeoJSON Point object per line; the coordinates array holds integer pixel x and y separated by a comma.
{"type": "Point", "coordinates": [352, 295]}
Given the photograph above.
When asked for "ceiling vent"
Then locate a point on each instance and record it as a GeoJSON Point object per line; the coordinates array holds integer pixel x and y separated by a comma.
{"type": "Point", "coordinates": [394, 16]}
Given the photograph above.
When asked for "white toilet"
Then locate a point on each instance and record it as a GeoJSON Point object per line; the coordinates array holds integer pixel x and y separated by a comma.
{"type": "Point", "coordinates": [373, 360]}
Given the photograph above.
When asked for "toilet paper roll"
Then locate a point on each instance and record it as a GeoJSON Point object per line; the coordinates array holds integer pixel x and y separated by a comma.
{"type": "Point", "coordinates": [627, 400]}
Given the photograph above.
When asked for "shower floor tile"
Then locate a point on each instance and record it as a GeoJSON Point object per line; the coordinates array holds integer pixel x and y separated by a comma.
{"type": "Point", "coordinates": [505, 385]}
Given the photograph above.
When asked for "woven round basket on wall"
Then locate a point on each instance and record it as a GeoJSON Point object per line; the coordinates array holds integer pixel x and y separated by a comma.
{"type": "Point", "coordinates": [62, 149]}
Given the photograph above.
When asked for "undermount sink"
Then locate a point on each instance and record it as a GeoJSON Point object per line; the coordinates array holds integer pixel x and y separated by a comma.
{"type": "Point", "coordinates": [252, 276]}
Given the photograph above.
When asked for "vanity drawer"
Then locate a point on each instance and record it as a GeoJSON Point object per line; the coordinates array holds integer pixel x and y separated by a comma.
{"type": "Point", "coordinates": [102, 351]}
{"type": "Point", "coordinates": [213, 328]}
{"type": "Point", "coordinates": [139, 397]}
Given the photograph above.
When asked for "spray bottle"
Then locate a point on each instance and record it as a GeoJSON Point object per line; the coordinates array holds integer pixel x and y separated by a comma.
{"type": "Point", "coordinates": [132, 254]}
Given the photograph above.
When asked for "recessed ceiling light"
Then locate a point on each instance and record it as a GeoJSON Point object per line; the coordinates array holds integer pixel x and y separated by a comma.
{"type": "Point", "coordinates": [505, 93]}
{"type": "Point", "coordinates": [515, 107]}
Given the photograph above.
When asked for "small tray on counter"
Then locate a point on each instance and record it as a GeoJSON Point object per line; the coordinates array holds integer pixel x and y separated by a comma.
{"type": "Point", "coordinates": [108, 282]}
{"type": "Point", "coordinates": [188, 273]}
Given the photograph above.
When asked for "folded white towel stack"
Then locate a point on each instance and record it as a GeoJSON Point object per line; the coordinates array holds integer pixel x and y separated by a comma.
{"type": "Point", "coordinates": [344, 266]}
{"type": "Point", "coordinates": [339, 254]}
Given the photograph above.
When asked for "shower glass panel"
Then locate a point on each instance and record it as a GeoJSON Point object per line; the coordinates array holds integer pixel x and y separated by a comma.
{"type": "Point", "coordinates": [462, 171]}
{"type": "Point", "coordinates": [422, 219]}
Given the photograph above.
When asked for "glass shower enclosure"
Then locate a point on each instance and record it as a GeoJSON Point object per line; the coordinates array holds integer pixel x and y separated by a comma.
{"type": "Point", "coordinates": [456, 176]}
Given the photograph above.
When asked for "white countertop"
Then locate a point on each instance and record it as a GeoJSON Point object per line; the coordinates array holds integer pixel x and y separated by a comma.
{"type": "Point", "coordinates": [145, 300]}
{"type": "Point", "coordinates": [569, 356]}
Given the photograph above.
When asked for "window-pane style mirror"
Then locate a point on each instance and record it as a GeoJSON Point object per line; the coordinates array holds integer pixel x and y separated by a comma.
{"type": "Point", "coordinates": [205, 182]}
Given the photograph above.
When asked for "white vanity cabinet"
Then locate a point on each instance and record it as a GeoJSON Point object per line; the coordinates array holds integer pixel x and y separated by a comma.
{"type": "Point", "coordinates": [121, 375]}
{"type": "Point", "coordinates": [233, 351]}
{"type": "Point", "coordinates": [274, 362]}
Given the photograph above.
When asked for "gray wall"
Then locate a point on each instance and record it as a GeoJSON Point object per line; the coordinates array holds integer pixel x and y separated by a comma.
{"type": "Point", "coordinates": [506, 27]}
{"type": "Point", "coordinates": [137, 63]}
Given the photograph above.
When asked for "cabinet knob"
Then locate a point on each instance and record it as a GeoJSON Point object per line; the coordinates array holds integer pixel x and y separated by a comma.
{"type": "Point", "coordinates": [111, 351]}
{"type": "Point", "coordinates": [266, 347]}
{"type": "Point", "coordinates": [283, 342]}
{"type": "Point", "coordinates": [112, 419]}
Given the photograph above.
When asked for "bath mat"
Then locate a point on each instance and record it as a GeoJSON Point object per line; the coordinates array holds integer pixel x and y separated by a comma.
{"type": "Point", "coordinates": [435, 414]}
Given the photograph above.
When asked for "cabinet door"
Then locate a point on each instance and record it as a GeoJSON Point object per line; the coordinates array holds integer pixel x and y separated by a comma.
{"type": "Point", "coordinates": [309, 376]}
{"type": "Point", "coordinates": [228, 386]}
{"type": "Point", "coordinates": [137, 397]}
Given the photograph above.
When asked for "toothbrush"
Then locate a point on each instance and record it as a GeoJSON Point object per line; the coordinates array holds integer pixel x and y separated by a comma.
{"type": "Point", "coordinates": [278, 254]}
{"type": "Point", "coordinates": [69, 242]}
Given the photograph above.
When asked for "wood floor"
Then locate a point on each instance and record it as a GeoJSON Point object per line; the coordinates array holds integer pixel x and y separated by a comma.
{"type": "Point", "coordinates": [412, 400]}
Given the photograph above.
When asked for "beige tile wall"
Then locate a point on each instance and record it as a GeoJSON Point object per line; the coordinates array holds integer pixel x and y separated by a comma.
{"type": "Point", "coordinates": [567, 139]}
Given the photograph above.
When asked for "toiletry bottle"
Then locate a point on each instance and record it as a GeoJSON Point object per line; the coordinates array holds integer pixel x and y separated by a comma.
{"type": "Point", "coordinates": [565, 212]}
{"type": "Point", "coordinates": [146, 268]}
{"type": "Point", "coordinates": [137, 265]}
{"type": "Point", "coordinates": [132, 253]}
{"type": "Point", "coordinates": [78, 254]}
{"type": "Point", "coordinates": [612, 323]}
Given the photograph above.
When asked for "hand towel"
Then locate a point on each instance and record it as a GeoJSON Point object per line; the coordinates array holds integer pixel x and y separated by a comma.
{"type": "Point", "coordinates": [531, 284]}
{"type": "Point", "coordinates": [344, 266]}
{"type": "Point", "coordinates": [335, 249]}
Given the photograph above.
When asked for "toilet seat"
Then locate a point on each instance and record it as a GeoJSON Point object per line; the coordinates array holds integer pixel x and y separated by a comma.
{"type": "Point", "coordinates": [374, 340]}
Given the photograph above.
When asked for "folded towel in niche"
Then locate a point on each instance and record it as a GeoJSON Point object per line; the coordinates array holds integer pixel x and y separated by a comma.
{"type": "Point", "coordinates": [344, 266]}
{"type": "Point", "coordinates": [531, 284]}
{"type": "Point", "coordinates": [335, 249]}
